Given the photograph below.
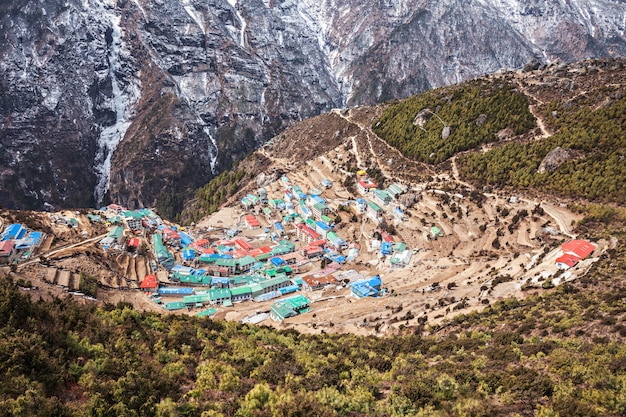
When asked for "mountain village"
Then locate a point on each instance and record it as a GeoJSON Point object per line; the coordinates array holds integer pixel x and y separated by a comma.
{"type": "Point", "coordinates": [304, 251]}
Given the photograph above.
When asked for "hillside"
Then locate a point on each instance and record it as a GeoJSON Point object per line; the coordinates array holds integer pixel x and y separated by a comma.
{"type": "Point", "coordinates": [480, 320]}
{"type": "Point", "coordinates": [141, 102]}
{"type": "Point", "coordinates": [555, 354]}
{"type": "Point", "coordinates": [507, 128]}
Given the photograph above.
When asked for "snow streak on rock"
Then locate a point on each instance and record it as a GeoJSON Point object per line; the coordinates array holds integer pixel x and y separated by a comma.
{"type": "Point", "coordinates": [242, 33]}
{"type": "Point", "coordinates": [191, 11]}
{"type": "Point", "coordinates": [123, 99]}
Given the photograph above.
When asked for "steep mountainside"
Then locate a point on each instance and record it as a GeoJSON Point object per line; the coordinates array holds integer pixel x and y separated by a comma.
{"type": "Point", "coordinates": [143, 101]}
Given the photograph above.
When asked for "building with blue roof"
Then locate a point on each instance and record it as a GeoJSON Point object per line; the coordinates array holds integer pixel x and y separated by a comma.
{"type": "Point", "coordinates": [361, 205]}
{"type": "Point", "coordinates": [175, 291]}
{"type": "Point", "coordinates": [14, 231]}
{"type": "Point", "coordinates": [188, 254]}
{"type": "Point", "coordinates": [322, 228]}
{"type": "Point", "coordinates": [30, 241]}
{"type": "Point", "coordinates": [368, 287]}
{"type": "Point", "coordinates": [276, 261]}
{"type": "Point", "coordinates": [280, 229]}
{"type": "Point", "coordinates": [386, 248]}
{"type": "Point", "coordinates": [185, 238]}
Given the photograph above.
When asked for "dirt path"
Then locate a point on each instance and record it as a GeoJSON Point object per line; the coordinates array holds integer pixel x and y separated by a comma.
{"type": "Point", "coordinates": [56, 251]}
{"type": "Point", "coordinates": [563, 217]}
{"type": "Point", "coordinates": [545, 133]}
{"type": "Point", "coordinates": [369, 137]}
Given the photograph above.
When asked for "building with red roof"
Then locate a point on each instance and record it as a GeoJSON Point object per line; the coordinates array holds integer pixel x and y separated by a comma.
{"type": "Point", "coordinates": [242, 244]}
{"type": "Point", "coordinates": [313, 251]}
{"type": "Point", "coordinates": [387, 237]}
{"type": "Point", "coordinates": [252, 222]}
{"type": "Point", "coordinates": [6, 251]}
{"type": "Point", "coordinates": [239, 253]}
{"type": "Point", "coordinates": [260, 251]}
{"type": "Point", "coordinates": [566, 261]}
{"type": "Point", "coordinates": [200, 244]}
{"type": "Point", "coordinates": [133, 243]}
{"type": "Point", "coordinates": [150, 283]}
{"type": "Point", "coordinates": [578, 248]}
{"type": "Point", "coordinates": [306, 234]}
{"type": "Point", "coordinates": [313, 283]}
{"type": "Point", "coordinates": [365, 185]}
{"type": "Point", "coordinates": [171, 236]}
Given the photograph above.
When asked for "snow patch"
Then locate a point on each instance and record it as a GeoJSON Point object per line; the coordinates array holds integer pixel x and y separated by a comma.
{"type": "Point", "coordinates": [140, 7]}
{"type": "Point", "coordinates": [316, 20]}
{"type": "Point", "coordinates": [191, 11]}
{"type": "Point", "coordinates": [212, 149]}
{"type": "Point", "coordinates": [123, 99]}
{"type": "Point", "coordinates": [51, 97]}
{"type": "Point", "coordinates": [242, 21]}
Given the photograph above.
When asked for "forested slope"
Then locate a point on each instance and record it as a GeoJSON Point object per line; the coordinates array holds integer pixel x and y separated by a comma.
{"type": "Point", "coordinates": [590, 127]}
{"type": "Point", "coordinates": [560, 353]}
{"type": "Point", "coordinates": [474, 113]}
{"type": "Point", "coordinates": [582, 110]}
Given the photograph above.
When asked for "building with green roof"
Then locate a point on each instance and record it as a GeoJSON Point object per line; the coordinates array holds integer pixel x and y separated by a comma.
{"type": "Point", "coordinates": [320, 209]}
{"type": "Point", "coordinates": [175, 305]}
{"type": "Point", "coordinates": [395, 190]}
{"type": "Point", "coordinates": [207, 313]}
{"type": "Point", "coordinates": [290, 307]}
{"type": "Point", "coordinates": [435, 232]}
{"type": "Point", "coordinates": [117, 234]}
{"type": "Point", "coordinates": [327, 220]}
{"type": "Point", "coordinates": [269, 285]}
{"type": "Point", "coordinates": [241, 293]}
{"type": "Point", "coordinates": [382, 196]}
{"type": "Point", "coordinates": [276, 272]}
{"type": "Point", "coordinates": [164, 257]}
{"type": "Point", "coordinates": [399, 247]}
{"type": "Point", "coordinates": [374, 211]}
{"type": "Point", "coordinates": [219, 295]}
{"type": "Point", "coordinates": [284, 247]}
{"type": "Point", "coordinates": [196, 299]}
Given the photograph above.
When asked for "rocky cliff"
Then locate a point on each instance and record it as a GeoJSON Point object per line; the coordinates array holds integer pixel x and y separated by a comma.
{"type": "Point", "coordinates": [141, 101]}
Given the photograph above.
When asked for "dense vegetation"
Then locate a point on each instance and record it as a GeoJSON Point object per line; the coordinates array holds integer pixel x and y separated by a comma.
{"type": "Point", "coordinates": [475, 111]}
{"type": "Point", "coordinates": [560, 353]}
{"type": "Point", "coordinates": [214, 193]}
{"type": "Point", "coordinates": [596, 135]}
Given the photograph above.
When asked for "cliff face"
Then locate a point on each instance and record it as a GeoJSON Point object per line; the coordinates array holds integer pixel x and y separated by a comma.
{"type": "Point", "coordinates": [142, 101]}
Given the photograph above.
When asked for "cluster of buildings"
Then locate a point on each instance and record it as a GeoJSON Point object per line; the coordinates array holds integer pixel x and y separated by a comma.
{"type": "Point", "coordinates": [198, 273]}
{"type": "Point", "coordinates": [18, 243]}
{"type": "Point", "coordinates": [233, 269]}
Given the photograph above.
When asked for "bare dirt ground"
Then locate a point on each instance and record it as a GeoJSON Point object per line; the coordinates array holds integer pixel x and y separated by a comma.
{"type": "Point", "coordinates": [464, 263]}
{"type": "Point", "coordinates": [483, 255]}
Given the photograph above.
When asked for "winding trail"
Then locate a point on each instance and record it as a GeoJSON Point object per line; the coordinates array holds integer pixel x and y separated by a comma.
{"type": "Point", "coordinates": [370, 136]}
{"type": "Point", "coordinates": [545, 133]}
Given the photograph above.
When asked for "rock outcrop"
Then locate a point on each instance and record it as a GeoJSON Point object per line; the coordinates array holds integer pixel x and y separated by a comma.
{"type": "Point", "coordinates": [554, 159]}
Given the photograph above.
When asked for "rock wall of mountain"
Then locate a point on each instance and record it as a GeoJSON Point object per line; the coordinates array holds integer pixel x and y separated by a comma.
{"type": "Point", "coordinates": [143, 101]}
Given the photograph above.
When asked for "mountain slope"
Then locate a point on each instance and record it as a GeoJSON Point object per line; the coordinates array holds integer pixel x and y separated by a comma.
{"type": "Point", "coordinates": [143, 102]}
